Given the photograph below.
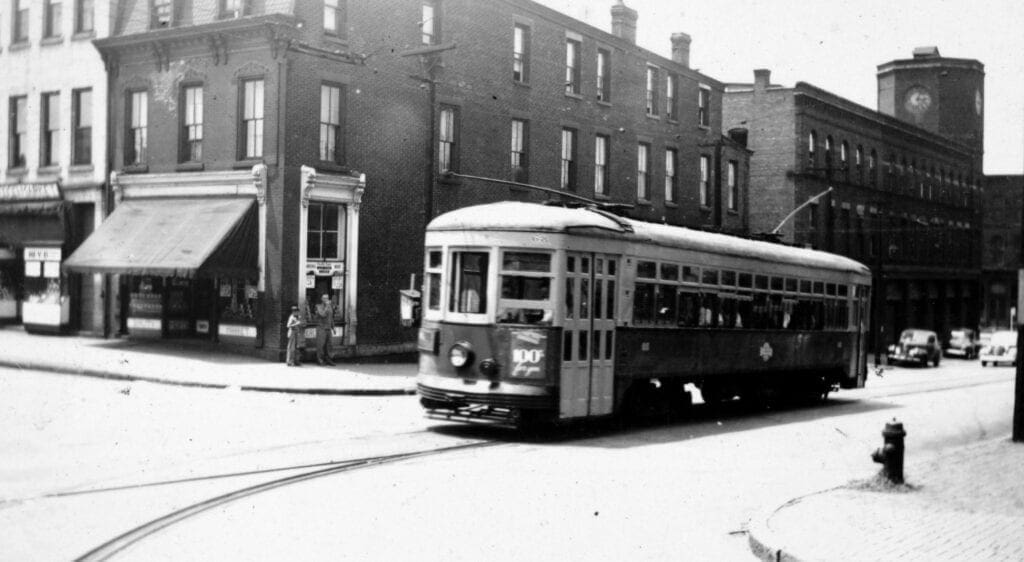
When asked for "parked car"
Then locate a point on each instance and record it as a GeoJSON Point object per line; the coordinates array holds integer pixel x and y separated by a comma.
{"type": "Point", "coordinates": [916, 346]}
{"type": "Point", "coordinates": [963, 342]}
{"type": "Point", "coordinates": [1002, 348]}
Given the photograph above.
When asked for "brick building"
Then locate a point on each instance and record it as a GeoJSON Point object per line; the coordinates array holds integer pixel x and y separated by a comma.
{"type": "Point", "coordinates": [52, 161]}
{"type": "Point", "coordinates": [280, 150]}
{"type": "Point", "coordinates": [1000, 255]}
{"type": "Point", "coordinates": [904, 183]}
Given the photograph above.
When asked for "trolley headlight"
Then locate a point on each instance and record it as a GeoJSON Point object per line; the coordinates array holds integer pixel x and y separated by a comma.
{"type": "Point", "coordinates": [460, 355]}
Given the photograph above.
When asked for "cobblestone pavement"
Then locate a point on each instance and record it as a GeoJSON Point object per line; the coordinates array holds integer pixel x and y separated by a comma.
{"type": "Point", "coordinates": [965, 504]}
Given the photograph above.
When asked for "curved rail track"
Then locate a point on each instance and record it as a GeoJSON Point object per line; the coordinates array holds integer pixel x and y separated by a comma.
{"type": "Point", "coordinates": [121, 542]}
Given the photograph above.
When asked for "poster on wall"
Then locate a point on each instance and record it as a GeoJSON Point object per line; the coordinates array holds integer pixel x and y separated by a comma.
{"type": "Point", "coordinates": [225, 290]}
{"type": "Point", "coordinates": [337, 282]}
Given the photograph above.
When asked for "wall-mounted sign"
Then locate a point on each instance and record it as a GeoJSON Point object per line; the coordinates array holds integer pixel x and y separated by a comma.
{"type": "Point", "coordinates": [310, 281]}
{"type": "Point", "coordinates": [337, 282]}
{"type": "Point", "coordinates": [42, 254]}
{"type": "Point", "coordinates": [325, 268]}
{"type": "Point", "coordinates": [51, 269]}
{"type": "Point", "coordinates": [29, 192]}
{"type": "Point", "coordinates": [33, 269]}
{"type": "Point", "coordinates": [202, 326]}
{"type": "Point", "coordinates": [250, 291]}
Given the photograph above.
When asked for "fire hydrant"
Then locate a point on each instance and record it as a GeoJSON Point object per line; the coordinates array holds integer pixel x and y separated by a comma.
{"type": "Point", "coordinates": [890, 455]}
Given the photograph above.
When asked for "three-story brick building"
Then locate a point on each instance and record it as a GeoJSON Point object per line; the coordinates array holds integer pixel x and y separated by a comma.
{"type": "Point", "coordinates": [266, 151]}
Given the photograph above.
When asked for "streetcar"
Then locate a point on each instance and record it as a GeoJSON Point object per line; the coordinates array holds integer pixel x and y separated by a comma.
{"type": "Point", "coordinates": [535, 313]}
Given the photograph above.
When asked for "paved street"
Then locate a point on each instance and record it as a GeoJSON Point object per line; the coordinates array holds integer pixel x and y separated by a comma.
{"type": "Point", "coordinates": [596, 493]}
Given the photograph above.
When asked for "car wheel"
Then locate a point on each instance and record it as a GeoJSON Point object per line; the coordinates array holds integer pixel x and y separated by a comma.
{"type": "Point", "coordinates": [984, 363]}
{"type": "Point", "coordinates": [937, 360]}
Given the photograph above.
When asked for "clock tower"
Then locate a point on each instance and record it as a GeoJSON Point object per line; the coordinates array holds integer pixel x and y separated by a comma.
{"type": "Point", "coordinates": [942, 95]}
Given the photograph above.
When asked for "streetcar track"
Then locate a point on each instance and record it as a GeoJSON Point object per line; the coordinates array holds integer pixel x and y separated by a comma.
{"type": "Point", "coordinates": [121, 542]}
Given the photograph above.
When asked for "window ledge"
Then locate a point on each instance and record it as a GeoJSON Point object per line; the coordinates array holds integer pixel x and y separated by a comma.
{"type": "Point", "coordinates": [20, 46]}
{"type": "Point", "coordinates": [602, 197]}
{"type": "Point", "coordinates": [604, 103]}
{"type": "Point", "coordinates": [733, 212]}
{"type": "Point", "coordinates": [520, 84]}
{"type": "Point", "coordinates": [653, 116]}
{"type": "Point", "coordinates": [136, 169]}
{"type": "Point", "coordinates": [246, 163]}
{"type": "Point", "coordinates": [574, 96]}
{"type": "Point", "coordinates": [190, 167]}
{"type": "Point", "coordinates": [55, 40]}
{"type": "Point", "coordinates": [84, 35]}
{"type": "Point", "coordinates": [704, 127]}
{"type": "Point", "coordinates": [17, 171]}
{"type": "Point", "coordinates": [80, 168]}
{"type": "Point", "coordinates": [644, 202]}
{"type": "Point", "coordinates": [672, 204]}
{"type": "Point", "coordinates": [446, 179]}
{"type": "Point", "coordinates": [329, 166]}
{"type": "Point", "coordinates": [705, 208]}
{"type": "Point", "coordinates": [48, 169]}
{"type": "Point", "coordinates": [336, 39]}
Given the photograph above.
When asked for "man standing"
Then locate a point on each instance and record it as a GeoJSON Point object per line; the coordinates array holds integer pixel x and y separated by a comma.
{"type": "Point", "coordinates": [324, 315]}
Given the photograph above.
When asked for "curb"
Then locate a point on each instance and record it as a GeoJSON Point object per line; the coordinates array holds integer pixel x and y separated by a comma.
{"type": "Point", "coordinates": [765, 543]}
{"type": "Point", "coordinates": [94, 373]}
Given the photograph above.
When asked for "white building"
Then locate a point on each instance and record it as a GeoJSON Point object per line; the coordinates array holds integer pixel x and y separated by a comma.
{"type": "Point", "coordinates": [53, 160]}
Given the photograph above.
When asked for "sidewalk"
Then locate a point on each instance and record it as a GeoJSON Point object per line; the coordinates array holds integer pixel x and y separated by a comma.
{"type": "Point", "coordinates": [966, 504]}
{"type": "Point", "coordinates": [196, 364]}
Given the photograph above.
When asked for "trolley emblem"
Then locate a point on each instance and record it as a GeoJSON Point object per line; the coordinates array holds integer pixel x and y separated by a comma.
{"type": "Point", "coordinates": [766, 352]}
{"type": "Point", "coordinates": [528, 354]}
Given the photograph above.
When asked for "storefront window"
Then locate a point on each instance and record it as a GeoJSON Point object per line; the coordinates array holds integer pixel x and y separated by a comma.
{"type": "Point", "coordinates": [237, 301]}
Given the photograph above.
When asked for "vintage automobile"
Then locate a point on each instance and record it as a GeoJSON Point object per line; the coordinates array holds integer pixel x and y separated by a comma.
{"type": "Point", "coordinates": [963, 342]}
{"type": "Point", "coordinates": [916, 346]}
{"type": "Point", "coordinates": [1002, 348]}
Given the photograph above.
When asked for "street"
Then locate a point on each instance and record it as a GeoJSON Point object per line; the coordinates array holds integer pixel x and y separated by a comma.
{"type": "Point", "coordinates": [84, 460]}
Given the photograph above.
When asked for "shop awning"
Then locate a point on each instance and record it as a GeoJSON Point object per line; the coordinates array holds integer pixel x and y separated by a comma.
{"type": "Point", "coordinates": [174, 237]}
{"type": "Point", "coordinates": [35, 222]}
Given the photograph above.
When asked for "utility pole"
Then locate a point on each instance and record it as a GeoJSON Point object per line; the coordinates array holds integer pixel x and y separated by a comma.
{"type": "Point", "coordinates": [1018, 394]}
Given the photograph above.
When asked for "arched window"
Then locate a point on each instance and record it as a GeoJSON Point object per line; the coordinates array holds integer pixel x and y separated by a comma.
{"type": "Point", "coordinates": [873, 168]}
{"type": "Point", "coordinates": [858, 161]}
{"type": "Point", "coordinates": [828, 151]}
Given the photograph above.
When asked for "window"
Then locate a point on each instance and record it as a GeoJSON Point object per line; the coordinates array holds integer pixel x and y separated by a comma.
{"type": "Point", "coordinates": [600, 165]}
{"type": "Point", "coordinates": [433, 270]}
{"type": "Point", "coordinates": [325, 231]}
{"type": "Point", "coordinates": [430, 24]}
{"type": "Point", "coordinates": [469, 277]}
{"type": "Point", "coordinates": [518, 158]}
{"type": "Point", "coordinates": [20, 21]}
{"type": "Point", "coordinates": [138, 123]}
{"type": "Point", "coordinates": [521, 53]}
{"type": "Point", "coordinates": [18, 128]}
{"type": "Point", "coordinates": [525, 288]}
{"type": "Point", "coordinates": [671, 111]}
{"type": "Point", "coordinates": [568, 167]}
{"type": "Point", "coordinates": [704, 106]}
{"type": "Point", "coordinates": [192, 124]}
{"type": "Point", "coordinates": [643, 171]}
{"type": "Point", "coordinates": [81, 123]}
{"type": "Point", "coordinates": [705, 180]}
{"type": "Point", "coordinates": [84, 21]}
{"type": "Point", "coordinates": [732, 183]}
{"type": "Point", "coordinates": [230, 9]}
{"type": "Point", "coordinates": [447, 153]}
{"type": "Point", "coordinates": [604, 70]}
{"type": "Point", "coordinates": [50, 129]}
{"type": "Point", "coordinates": [651, 99]}
{"type": "Point", "coordinates": [161, 14]}
{"type": "Point", "coordinates": [572, 66]}
{"type": "Point", "coordinates": [812, 150]}
{"type": "Point", "coordinates": [828, 151]}
{"type": "Point", "coordinates": [252, 119]}
{"type": "Point", "coordinates": [858, 161]}
{"type": "Point", "coordinates": [844, 151]}
{"type": "Point", "coordinates": [671, 156]}
{"type": "Point", "coordinates": [51, 21]}
{"type": "Point", "coordinates": [330, 123]}
{"type": "Point", "coordinates": [334, 17]}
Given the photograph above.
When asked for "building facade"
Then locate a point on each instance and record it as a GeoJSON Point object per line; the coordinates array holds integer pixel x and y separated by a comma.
{"type": "Point", "coordinates": [52, 161]}
{"type": "Point", "coordinates": [1000, 257]}
{"type": "Point", "coordinates": [283, 150]}
{"type": "Point", "coordinates": [902, 199]}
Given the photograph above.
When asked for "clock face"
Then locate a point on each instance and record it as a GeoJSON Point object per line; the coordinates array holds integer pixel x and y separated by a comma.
{"type": "Point", "coordinates": [918, 100]}
{"type": "Point", "coordinates": [977, 101]}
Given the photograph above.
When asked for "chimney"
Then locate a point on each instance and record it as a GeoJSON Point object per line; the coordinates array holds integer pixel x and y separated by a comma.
{"type": "Point", "coordinates": [681, 49]}
{"type": "Point", "coordinates": [929, 52]}
{"type": "Point", "coordinates": [624, 22]}
{"type": "Point", "coordinates": [762, 78]}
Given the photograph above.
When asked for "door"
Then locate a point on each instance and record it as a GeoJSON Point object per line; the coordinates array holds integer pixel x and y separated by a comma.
{"type": "Point", "coordinates": [587, 372]}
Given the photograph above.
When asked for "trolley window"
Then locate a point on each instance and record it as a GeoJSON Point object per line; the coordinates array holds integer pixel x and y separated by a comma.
{"type": "Point", "coordinates": [469, 275]}
{"type": "Point", "coordinates": [525, 288]}
{"type": "Point", "coordinates": [433, 279]}
{"type": "Point", "coordinates": [691, 274]}
{"type": "Point", "coordinates": [729, 278]}
{"type": "Point", "coordinates": [647, 269]}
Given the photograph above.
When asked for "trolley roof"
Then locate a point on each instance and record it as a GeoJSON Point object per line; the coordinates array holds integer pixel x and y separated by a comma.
{"type": "Point", "coordinates": [516, 216]}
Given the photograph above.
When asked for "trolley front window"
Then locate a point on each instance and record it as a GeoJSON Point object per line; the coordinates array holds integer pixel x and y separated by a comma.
{"type": "Point", "coordinates": [469, 274]}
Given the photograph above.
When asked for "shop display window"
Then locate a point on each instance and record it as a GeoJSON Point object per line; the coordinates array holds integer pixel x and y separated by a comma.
{"type": "Point", "coordinates": [237, 300]}
{"type": "Point", "coordinates": [43, 282]}
{"type": "Point", "coordinates": [146, 297]}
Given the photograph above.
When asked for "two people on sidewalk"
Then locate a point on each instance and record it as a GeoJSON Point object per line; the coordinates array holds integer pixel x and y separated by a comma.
{"type": "Point", "coordinates": [323, 314]}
